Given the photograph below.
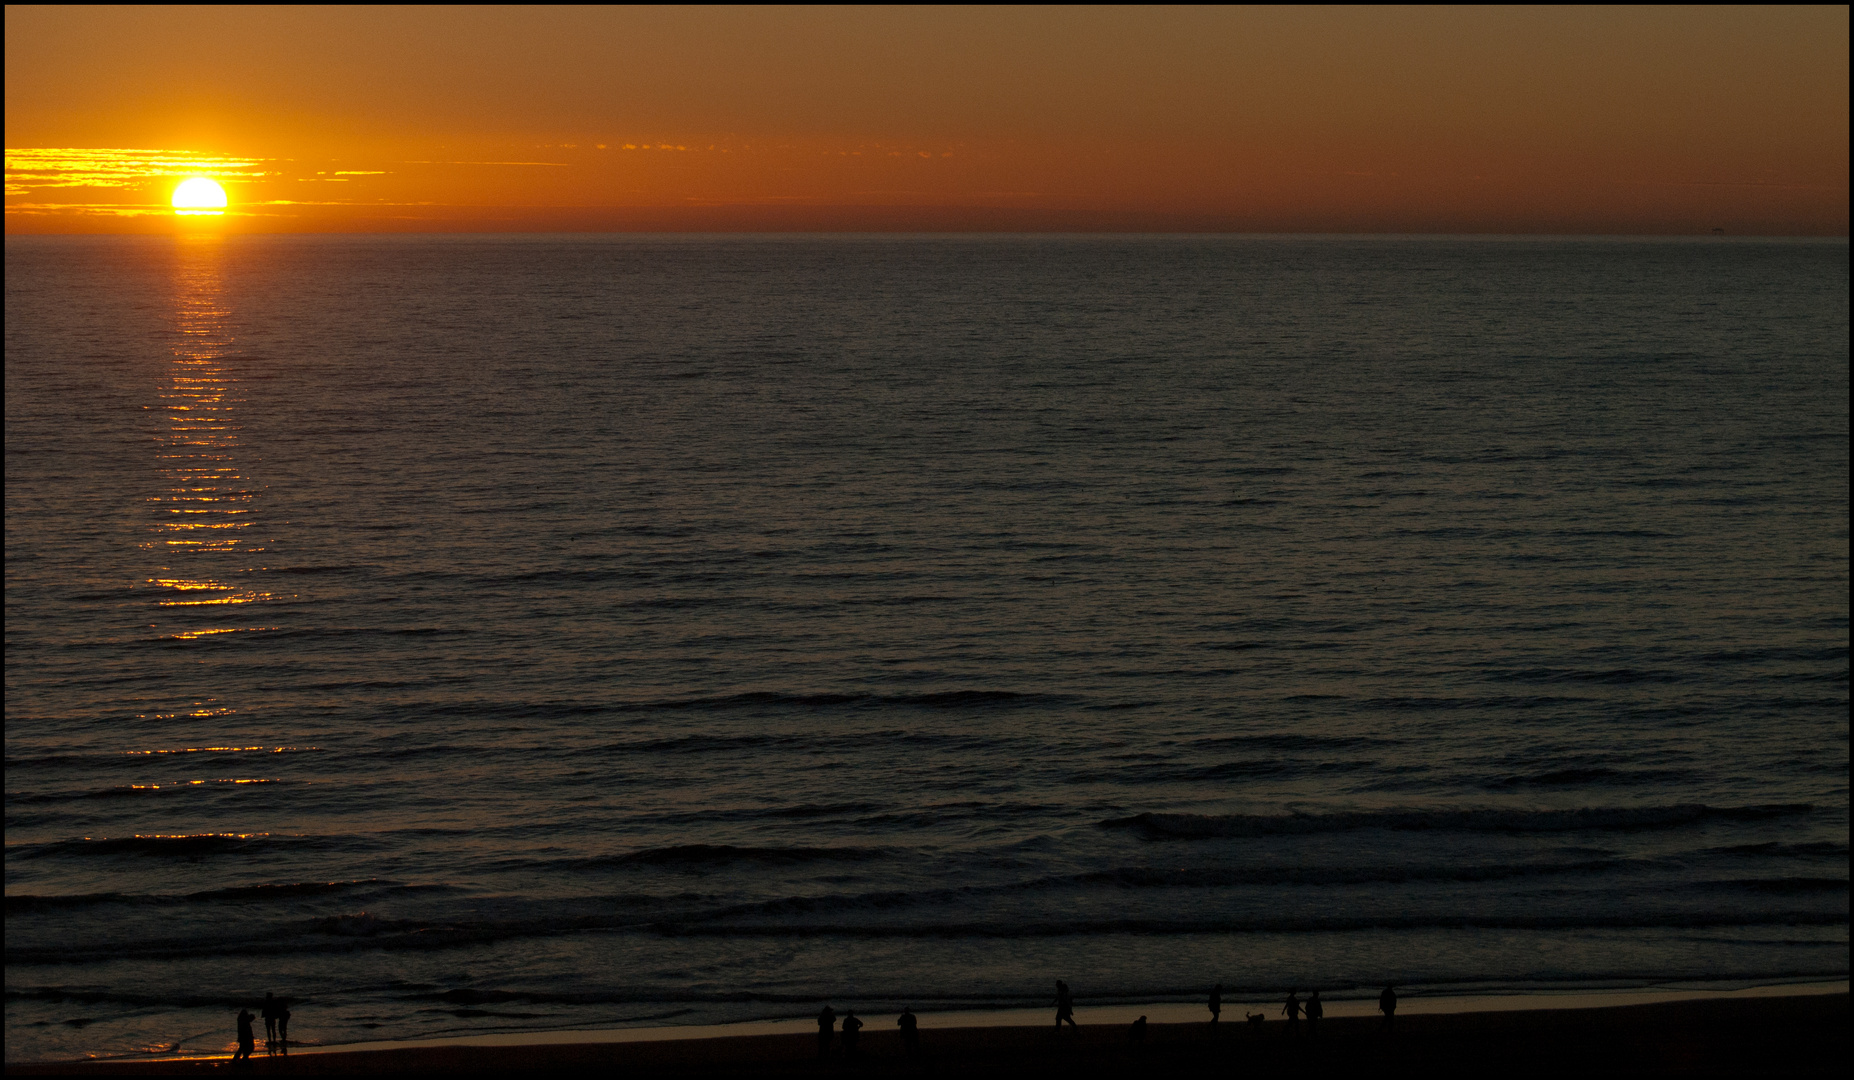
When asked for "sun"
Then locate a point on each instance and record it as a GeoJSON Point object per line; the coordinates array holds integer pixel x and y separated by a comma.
{"type": "Point", "coordinates": [198, 195]}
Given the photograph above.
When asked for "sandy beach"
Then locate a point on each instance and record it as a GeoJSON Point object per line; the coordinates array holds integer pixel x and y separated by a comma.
{"type": "Point", "coordinates": [1802, 1035]}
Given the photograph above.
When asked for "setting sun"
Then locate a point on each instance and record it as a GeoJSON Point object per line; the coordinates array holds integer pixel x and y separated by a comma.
{"type": "Point", "coordinates": [199, 196]}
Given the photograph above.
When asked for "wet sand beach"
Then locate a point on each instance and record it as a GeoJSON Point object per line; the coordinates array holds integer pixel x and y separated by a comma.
{"type": "Point", "coordinates": [1771, 1036]}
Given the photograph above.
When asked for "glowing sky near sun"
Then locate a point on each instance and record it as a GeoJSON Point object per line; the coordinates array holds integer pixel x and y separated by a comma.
{"type": "Point", "coordinates": [1663, 120]}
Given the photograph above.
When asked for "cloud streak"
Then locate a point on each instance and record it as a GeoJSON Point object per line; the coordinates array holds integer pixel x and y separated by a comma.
{"type": "Point", "coordinates": [33, 168]}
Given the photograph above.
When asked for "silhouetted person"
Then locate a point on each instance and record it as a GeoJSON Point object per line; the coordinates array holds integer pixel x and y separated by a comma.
{"type": "Point", "coordinates": [1387, 1004]}
{"type": "Point", "coordinates": [1065, 1005]}
{"type": "Point", "coordinates": [1136, 1036]}
{"type": "Point", "coordinates": [1216, 1003]}
{"type": "Point", "coordinates": [1315, 1010]}
{"type": "Point", "coordinates": [1291, 1009]}
{"type": "Point", "coordinates": [852, 1033]}
{"type": "Point", "coordinates": [910, 1032]}
{"type": "Point", "coordinates": [269, 1011]}
{"type": "Point", "coordinates": [827, 1030]}
{"type": "Point", "coordinates": [283, 1027]}
{"type": "Point", "coordinates": [247, 1041]}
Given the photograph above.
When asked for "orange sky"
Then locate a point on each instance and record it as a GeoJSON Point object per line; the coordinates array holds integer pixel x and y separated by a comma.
{"type": "Point", "coordinates": [1583, 120]}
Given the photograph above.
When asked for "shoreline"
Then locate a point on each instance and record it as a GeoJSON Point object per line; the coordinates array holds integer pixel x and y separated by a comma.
{"type": "Point", "coordinates": [1660, 1032]}
{"type": "Point", "coordinates": [1158, 1012]}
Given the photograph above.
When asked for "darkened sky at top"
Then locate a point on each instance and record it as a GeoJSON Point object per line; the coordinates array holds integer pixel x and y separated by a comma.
{"type": "Point", "coordinates": [1435, 119]}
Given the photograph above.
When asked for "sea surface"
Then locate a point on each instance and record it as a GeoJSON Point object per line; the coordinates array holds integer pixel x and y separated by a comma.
{"type": "Point", "coordinates": [467, 634]}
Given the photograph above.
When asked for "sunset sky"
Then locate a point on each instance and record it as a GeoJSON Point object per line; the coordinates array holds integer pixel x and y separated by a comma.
{"type": "Point", "coordinates": [1537, 120]}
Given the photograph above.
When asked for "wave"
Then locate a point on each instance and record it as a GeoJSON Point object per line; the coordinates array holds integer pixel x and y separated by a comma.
{"type": "Point", "coordinates": [1583, 819]}
{"type": "Point", "coordinates": [1808, 849]}
{"type": "Point", "coordinates": [1220, 877]}
{"type": "Point", "coordinates": [139, 759]}
{"type": "Point", "coordinates": [1159, 773]}
{"type": "Point", "coordinates": [1295, 742]}
{"type": "Point", "coordinates": [705, 855]}
{"type": "Point", "coordinates": [358, 633]}
{"type": "Point", "coordinates": [704, 744]}
{"type": "Point", "coordinates": [363, 931]}
{"type": "Point", "coordinates": [34, 903]}
{"type": "Point", "coordinates": [182, 846]}
{"type": "Point", "coordinates": [30, 903]}
{"type": "Point", "coordinates": [721, 854]}
{"type": "Point", "coordinates": [328, 934]}
{"type": "Point", "coordinates": [1275, 925]}
{"type": "Point", "coordinates": [944, 699]}
{"type": "Point", "coordinates": [1577, 777]}
{"type": "Point", "coordinates": [136, 791]}
{"type": "Point", "coordinates": [696, 856]}
{"type": "Point", "coordinates": [310, 888]}
{"type": "Point", "coordinates": [802, 811]}
{"type": "Point", "coordinates": [115, 997]}
{"type": "Point", "coordinates": [1787, 884]}
{"type": "Point", "coordinates": [1608, 676]}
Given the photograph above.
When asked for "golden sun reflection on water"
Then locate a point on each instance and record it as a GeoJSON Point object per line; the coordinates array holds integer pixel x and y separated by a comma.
{"type": "Point", "coordinates": [202, 783]}
{"type": "Point", "coordinates": [221, 750]}
{"type": "Point", "coordinates": [191, 635]}
{"type": "Point", "coordinates": [201, 517]}
{"type": "Point", "coordinates": [199, 711]}
{"type": "Point", "coordinates": [189, 836]}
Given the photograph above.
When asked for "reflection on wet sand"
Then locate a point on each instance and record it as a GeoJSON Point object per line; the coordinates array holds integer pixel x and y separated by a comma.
{"type": "Point", "coordinates": [201, 517]}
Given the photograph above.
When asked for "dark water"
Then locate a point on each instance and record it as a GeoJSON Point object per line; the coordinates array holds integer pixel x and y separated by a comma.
{"type": "Point", "coordinates": [463, 634]}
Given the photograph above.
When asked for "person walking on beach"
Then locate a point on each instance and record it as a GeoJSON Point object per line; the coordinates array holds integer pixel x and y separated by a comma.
{"type": "Point", "coordinates": [283, 1027]}
{"type": "Point", "coordinates": [827, 1030]}
{"type": "Point", "coordinates": [247, 1041]}
{"type": "Point", "coordinates": [852, 1033]}
{"type": "Point", "coordinates": [1216, 1003]}
{"type": "Point", "coordinates": [1387, 1004]}
{"type": "Point", "coordinates": [910, 1032]}
{"type": "Point", "coordinates": [269, 1012]}
{"type": "Point", "coordinates": [1065, 1005]}
{"type": "Point", "coordinates": [1291, 1010]}
{"type": "Point", "coordinates": [1315, 1010]}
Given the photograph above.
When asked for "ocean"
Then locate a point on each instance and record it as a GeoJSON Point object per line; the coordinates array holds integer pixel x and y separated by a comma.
{"type": "Point", "coordinates": [466, 633]}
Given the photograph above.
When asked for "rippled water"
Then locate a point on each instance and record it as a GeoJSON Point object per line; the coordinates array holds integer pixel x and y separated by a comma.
{"type": "Point", "coordinates": [469, 633]}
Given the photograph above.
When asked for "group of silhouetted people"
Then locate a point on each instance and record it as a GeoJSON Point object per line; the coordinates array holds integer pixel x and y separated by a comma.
{"type": "Point", "coordinates": [1313, 1009]}
{"type": "Point", "coordinates": [276, 1030]}
{"type": "Point", "coordinates": [852, 1036]}
{"type": "Point", "coordinates": [844, 1036]}
{"type": "Point", "coordinates": [1293, 1008]}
